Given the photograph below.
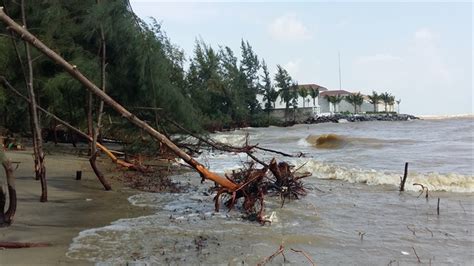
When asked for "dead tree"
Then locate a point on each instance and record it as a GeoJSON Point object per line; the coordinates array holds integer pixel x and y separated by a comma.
{"type": "Point", "coordinates": [94, 131]}
{"type": "Point", "coordinates": [40, 168]}
{"type": "Point", "coordinates": [6, 218]}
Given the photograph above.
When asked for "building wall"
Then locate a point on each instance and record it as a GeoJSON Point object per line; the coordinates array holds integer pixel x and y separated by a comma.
{"type": "Point", "coordinates": [301, 114]}
{"type": "Point", "coordinates": [279, 104]}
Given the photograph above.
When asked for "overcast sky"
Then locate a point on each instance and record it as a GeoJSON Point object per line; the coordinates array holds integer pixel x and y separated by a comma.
{"type": "Point", "coordinates": [420, 52]}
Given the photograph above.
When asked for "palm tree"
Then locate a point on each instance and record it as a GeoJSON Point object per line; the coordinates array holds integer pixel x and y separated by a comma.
{"type": "Point", "coordinates": [385, 97]}
{"type": "Point", "coordinates": [351, 99]}
{"type": "Point", "coordinates": [391, 102]}
{"type": "Point", "coordinates": [303, 92]}
{"type": "Point", "coordinates": [356, 99]}
{"type": "Point", "coordinates": [359, 100]}
{"type": "Point", "coordinates": [374, 99]}
{"type": "Point", "coordinates": [398, 105]}
{"type": "Point", "coordinates": [314, 92]}
{"type": "Point", "coordinates": [337, 100]}
{"type": "Point", "coordinates": [334, 99]}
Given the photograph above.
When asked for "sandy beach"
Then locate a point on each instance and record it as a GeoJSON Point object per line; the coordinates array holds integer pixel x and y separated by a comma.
{"type": "Point", "coordinates": [72, 206]}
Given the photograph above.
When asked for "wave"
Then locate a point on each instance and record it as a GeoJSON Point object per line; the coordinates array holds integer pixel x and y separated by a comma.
{"type": "Point", "coordinates": [438, 117]}
{"type": "Point", "coordinates": [434, 181]}
{"type": "Point", "coordinates": [334, 141]}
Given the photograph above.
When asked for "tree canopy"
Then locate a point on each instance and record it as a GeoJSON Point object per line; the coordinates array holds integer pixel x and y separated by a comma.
{"type": "Point", "coordinates": [145, 71]}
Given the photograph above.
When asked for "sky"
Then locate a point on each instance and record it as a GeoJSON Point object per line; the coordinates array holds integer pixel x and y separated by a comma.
{"type": "Point", "coordinates": [420, 52]}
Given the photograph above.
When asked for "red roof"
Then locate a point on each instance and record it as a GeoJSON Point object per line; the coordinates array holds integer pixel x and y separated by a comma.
{"type": "Point", "coordinates": [334, 93]}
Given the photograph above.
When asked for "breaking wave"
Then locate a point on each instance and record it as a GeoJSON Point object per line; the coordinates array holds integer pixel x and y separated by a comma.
{"type": "Point", "coordinates": [434, 181]}
{"type": "Point", "coordinates": [334, 141]}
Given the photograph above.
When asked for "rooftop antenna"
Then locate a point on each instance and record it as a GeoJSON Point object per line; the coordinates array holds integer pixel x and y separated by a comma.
{"type": "Point", "coordinates": [340, 81]}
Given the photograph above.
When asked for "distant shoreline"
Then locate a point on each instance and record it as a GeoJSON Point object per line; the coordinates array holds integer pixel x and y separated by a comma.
{"type": "Point", "coordinates": [343, 118]}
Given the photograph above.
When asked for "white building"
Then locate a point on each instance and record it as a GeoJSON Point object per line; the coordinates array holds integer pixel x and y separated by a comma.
{"type": "Point", "coordinates": [307, 102]}
{"type": "Point", "coordinates": [320, 104]}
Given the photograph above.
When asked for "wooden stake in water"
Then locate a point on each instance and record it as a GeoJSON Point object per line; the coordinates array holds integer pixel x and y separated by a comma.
{"type": "Point", "coordinates": [405, 175]}
{"type": "Point", "coordinates": [437, 208]}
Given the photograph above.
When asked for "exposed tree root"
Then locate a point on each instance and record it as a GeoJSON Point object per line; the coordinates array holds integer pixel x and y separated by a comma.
{"type": "Point", "coordinates": [274, 179]}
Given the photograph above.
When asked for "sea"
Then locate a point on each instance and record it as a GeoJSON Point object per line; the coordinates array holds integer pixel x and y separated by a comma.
{"type": "Point", "coordinates": [353, 213]}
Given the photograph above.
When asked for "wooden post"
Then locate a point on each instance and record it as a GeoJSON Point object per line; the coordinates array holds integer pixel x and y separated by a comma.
{"type": "Point", "coordinates": [405, 175]}
{"type": "Point", "coordinates": [78, 175]}
{"type": "Point", "coordinates": [437, 208]}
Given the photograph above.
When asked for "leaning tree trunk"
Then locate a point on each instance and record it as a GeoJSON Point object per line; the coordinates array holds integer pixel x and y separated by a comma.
{"type": "Point", "coordinates": [74, 72]}
{"type": "Point", "coordinates": [40, 168]}
{"type": "Point", "coordinates": [75, 130]}
{"type": "Point", "coordinates": [6, 218]}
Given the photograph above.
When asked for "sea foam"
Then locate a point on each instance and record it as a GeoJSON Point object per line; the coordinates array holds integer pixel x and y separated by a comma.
{"type": "Point", "coordinates": [434, 181]}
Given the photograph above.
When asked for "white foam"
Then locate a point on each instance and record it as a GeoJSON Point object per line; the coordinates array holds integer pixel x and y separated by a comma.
{"type": "Point", "coordinates": [434, 181]}
{"type": "Point", "coordinates": [303, 142]}
{"type": "Point", "coordinates": [436, 117]}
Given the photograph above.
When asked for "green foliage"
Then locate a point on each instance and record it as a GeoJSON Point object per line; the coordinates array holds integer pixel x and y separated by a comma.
{"type": "Point", "coordinates": [334, 100]}
{"type": "Point", "coordinates": [387, 99]}
{"type": "Point", "coordinates": [143, 69]}
{"type": "Point", "coordinates": [356, 99]}
{"type": "Point", "coordinates": [283, 82]}
{"type": "Point", "coordinates": [313, 93]}
{"type": "Point", "coordinates": [374, 99]}
{"type": "Point", "coordinates": [267, 89]}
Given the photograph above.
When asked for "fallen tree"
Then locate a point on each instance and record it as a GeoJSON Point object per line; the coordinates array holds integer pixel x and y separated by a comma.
{"type": "Point", "coordinates": [6, 218]}
{"type": "Point", "coordinates": [251, 184]}
{"type": "Point", "coordinates": [75, 73]}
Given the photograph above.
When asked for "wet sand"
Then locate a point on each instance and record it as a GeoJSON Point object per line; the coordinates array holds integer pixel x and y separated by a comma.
{"type": "Point", "coordinates": [72, 206]}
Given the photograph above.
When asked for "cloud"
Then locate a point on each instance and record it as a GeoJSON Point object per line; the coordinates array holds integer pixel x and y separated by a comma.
{"type": "Point", "coordinates": [288, 27]}
{"type": "Point", "coordinates": [417, 71]}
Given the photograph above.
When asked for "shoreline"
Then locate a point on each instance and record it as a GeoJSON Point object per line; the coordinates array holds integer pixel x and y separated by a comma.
{"type": "Point", "coordinates": [73, 206]}
{"type": "Point", "coordinates": [342, 118]}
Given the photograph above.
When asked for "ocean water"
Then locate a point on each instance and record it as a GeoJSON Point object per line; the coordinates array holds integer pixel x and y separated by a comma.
{"type": "Point", "coordinates": [353, 213]}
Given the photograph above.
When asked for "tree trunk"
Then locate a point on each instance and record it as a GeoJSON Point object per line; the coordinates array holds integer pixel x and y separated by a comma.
{"type": "Point", "coordinates": [77, 131]}
{"type": "Point", "coordinates": [40, 168]}
{"type": "Point", "coordinates": [74, 72]}
{"type": "Point", "coordinates": [6, 218]}
{"type": "Point", "coordinates": [96, 130]}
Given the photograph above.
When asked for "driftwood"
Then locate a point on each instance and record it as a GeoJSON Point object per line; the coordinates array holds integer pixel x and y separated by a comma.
{"type": "Point", "coordinates": [281, 250]}
{"type": "Point", "coordinates": [6, 218]}
{"type": "Point", "coordinates": [224, 147]}
{"type": "Point", "coordinates": [13, 245]}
